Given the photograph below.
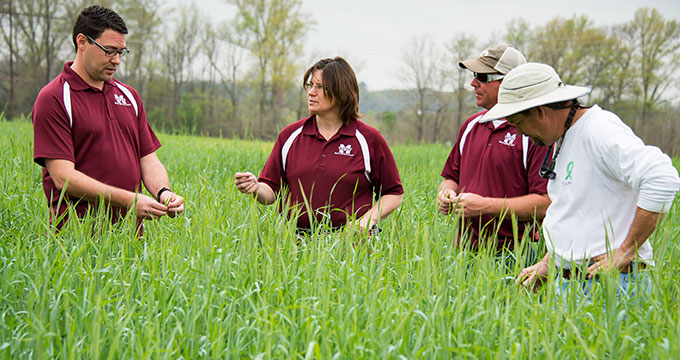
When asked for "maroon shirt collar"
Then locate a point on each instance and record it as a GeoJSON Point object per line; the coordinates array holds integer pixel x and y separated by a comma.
{"type": "Point", "coordinates": [75, 81]}
{"type": "Point", "coordinates": [309, 128]}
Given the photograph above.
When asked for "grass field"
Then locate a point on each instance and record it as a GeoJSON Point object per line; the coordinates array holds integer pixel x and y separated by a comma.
{"type": "Point", "coordinates": [226, 279]}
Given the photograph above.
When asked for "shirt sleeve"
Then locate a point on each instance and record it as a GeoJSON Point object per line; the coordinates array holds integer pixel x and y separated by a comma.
{"type": "Point", "coordinates": [451, 169]}
{"type": "Point", "coordinates": [384, 174]}
{"type": "Point", "coordinates": [51, 130]}
{"type": "Point", "coordinates": [535, 156]}
{"type": "Point", "coordinates": [645, 168]}
{"type": "Point", "coordinates": [148, 142]}
{"type": "Point", "coordinates": [272, 173]}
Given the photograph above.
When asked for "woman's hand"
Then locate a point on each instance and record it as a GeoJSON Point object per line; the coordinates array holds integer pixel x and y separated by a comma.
{"type": "Point", "coordinates": [246, 182]}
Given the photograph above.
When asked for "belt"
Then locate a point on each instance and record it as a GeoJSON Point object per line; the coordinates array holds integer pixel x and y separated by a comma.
{"type": "Point", "coordinates": [575, 273]}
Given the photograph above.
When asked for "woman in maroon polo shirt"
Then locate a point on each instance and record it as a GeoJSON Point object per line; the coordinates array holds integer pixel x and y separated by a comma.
{"type": "Point", "coordinates": [331, 161]}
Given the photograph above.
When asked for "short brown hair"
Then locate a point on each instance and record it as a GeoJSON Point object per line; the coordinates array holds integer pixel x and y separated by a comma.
{"type": "Point", "coordinates": [94, 20]}
{"type": "Point", "coordinates": [339, 84]}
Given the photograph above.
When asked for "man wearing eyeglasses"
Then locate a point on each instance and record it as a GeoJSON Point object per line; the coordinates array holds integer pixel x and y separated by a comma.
{"type": "Point", "coordinates": [492, 173]}
{"type": "Point", "coordinates": [608, 189]}
{"type": "Point", "coordinates": [91, 133]}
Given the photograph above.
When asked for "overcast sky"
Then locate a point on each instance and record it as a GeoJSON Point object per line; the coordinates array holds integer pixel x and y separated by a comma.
{"type": "Point", "coordinates": [373, 34]}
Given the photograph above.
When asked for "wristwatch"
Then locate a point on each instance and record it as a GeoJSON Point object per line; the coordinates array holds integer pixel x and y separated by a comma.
{"type": "Point", "coordinates": [161, 191]}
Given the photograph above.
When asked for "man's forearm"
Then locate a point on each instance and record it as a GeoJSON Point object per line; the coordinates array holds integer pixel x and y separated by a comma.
{"type": "Point", "coordinates": [154, 174]}
{"type": "Point", "coordinates": [448, 184]}
{"type": "Point", "coordinates": [524, 207]}
{"type": "Point", "coordinates": [79, 185]}
{"type": "Point", "coordinates": [380, 210]}
{"type": "Point", "coordinates": [385, 205]}
{"type": "Point", "coordinates": [644, 224]}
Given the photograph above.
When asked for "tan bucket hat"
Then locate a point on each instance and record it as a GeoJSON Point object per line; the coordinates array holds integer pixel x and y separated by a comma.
{"type": "Point", "coordinates": [496, 59]}
{"type": "Point", "coordinates": [528, 86]}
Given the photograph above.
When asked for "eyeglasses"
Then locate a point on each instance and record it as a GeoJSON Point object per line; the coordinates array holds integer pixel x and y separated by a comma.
{"type": "Point", "coordinates": [110, 52]}
{"type": "Point", "coordinates": [317, 87]}
{"type": "Point", "coordinates": [487, 78]}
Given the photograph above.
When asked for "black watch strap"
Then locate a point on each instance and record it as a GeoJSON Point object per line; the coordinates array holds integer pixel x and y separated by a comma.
{"type": "Point", "coordinates": [161, 191]}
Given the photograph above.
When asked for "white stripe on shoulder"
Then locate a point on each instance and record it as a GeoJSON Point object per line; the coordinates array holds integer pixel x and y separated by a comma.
{"type": "Point", "coordinates": [67, 102]}
{"type": "Point", "coordinates": [286, 146]}
{"type": "Point", "coordinates": [471, 124]}
{"type": "Point", "coordinates": [366, 153]}
{"type": "Point", "coordinates": [525, 149]}
{"type": "Point", "coordinates": [127, 93]}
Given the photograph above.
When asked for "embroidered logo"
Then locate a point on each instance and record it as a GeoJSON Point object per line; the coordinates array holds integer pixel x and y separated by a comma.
{"type": "Point", "coordinates": [509, 139]}
{"type": "Point", "coordinates": [120, 100]}
{"type": "Point", "coordinates": [345, 150]}
{"type": "Point", "coordinates": [570, 168]}
{"type": "Point", "coordinates": [568, 179]}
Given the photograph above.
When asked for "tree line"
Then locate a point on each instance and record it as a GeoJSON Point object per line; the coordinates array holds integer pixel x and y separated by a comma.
{"type": "Point", "coordinates": [241, 77]}
{"type": "Point", "coordinates": [631, 67]}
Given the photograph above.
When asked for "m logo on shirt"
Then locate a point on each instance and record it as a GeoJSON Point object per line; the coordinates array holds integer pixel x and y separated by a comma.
{"type": "Point", "coordinates": [345, 150]}
{"type": "Point", "coordinates": [509, 139]}
{"type": "Point", "coordinates": [120, 100]}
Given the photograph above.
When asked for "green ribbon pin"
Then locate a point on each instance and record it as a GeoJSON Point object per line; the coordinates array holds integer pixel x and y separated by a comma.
{"type": "Point", "coordinates": [570, 167]}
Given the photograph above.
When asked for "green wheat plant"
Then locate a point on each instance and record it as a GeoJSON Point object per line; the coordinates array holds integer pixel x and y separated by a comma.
{"type": "Point", "coordinates": [229, 279]}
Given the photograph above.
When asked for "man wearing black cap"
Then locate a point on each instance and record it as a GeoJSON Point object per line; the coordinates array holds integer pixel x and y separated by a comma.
{"type": "Point", "coordinates": [492, 174]}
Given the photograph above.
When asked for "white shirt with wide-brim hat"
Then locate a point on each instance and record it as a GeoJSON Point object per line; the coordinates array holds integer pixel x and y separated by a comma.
{"type": "Point", "coordinates": [603, 173]}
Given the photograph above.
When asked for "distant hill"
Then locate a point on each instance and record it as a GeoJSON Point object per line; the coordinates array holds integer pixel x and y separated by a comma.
{"type": "Point", "coordinates": [384, 100]}
{"type": "Point", "coordinates": [393, 100]}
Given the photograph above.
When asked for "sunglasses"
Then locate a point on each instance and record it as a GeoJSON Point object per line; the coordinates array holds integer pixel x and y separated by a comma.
{"type": "Point", "coordinates": [487, 78]}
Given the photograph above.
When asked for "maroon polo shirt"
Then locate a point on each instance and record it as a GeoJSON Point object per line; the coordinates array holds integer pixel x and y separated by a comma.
{"type": "Point", "coordinates": [338, 177]}
{"type": "Point", "coordinates": [105, 135]}
{"type": "Point", "coordinates": [492, 164]}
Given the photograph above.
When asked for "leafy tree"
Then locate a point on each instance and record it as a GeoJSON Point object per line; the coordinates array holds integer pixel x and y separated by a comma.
{"type": "Point", "coordinates": [178, 54]}
{"type": "Point", "coordinates": [418, 73]}
{"type": "Point", "coordinates": [34, 47]}
{"type": "Point", "coordinates": [460, 48]}
{"type": "Point", "coordinates": [9, 39]}
{"type": "Point", "coordinates": [274, 30]}
{"type": "Point", "coordinates": [389, 119]}
{"type": "Point", "coordinates": [656, 44]}
{"type": "Point", "coordinates": [574, 47]}
{"type": "Point", "coordinates": [143, 20]}
{"type": "Point", "coordinates": [224, 51]}
{"type": "Point", "coordinates": [519, 34]}
{"type": "Point", "coordinates": [188, 114]}
{"type": "Point", "coordinates": [611, 80]}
